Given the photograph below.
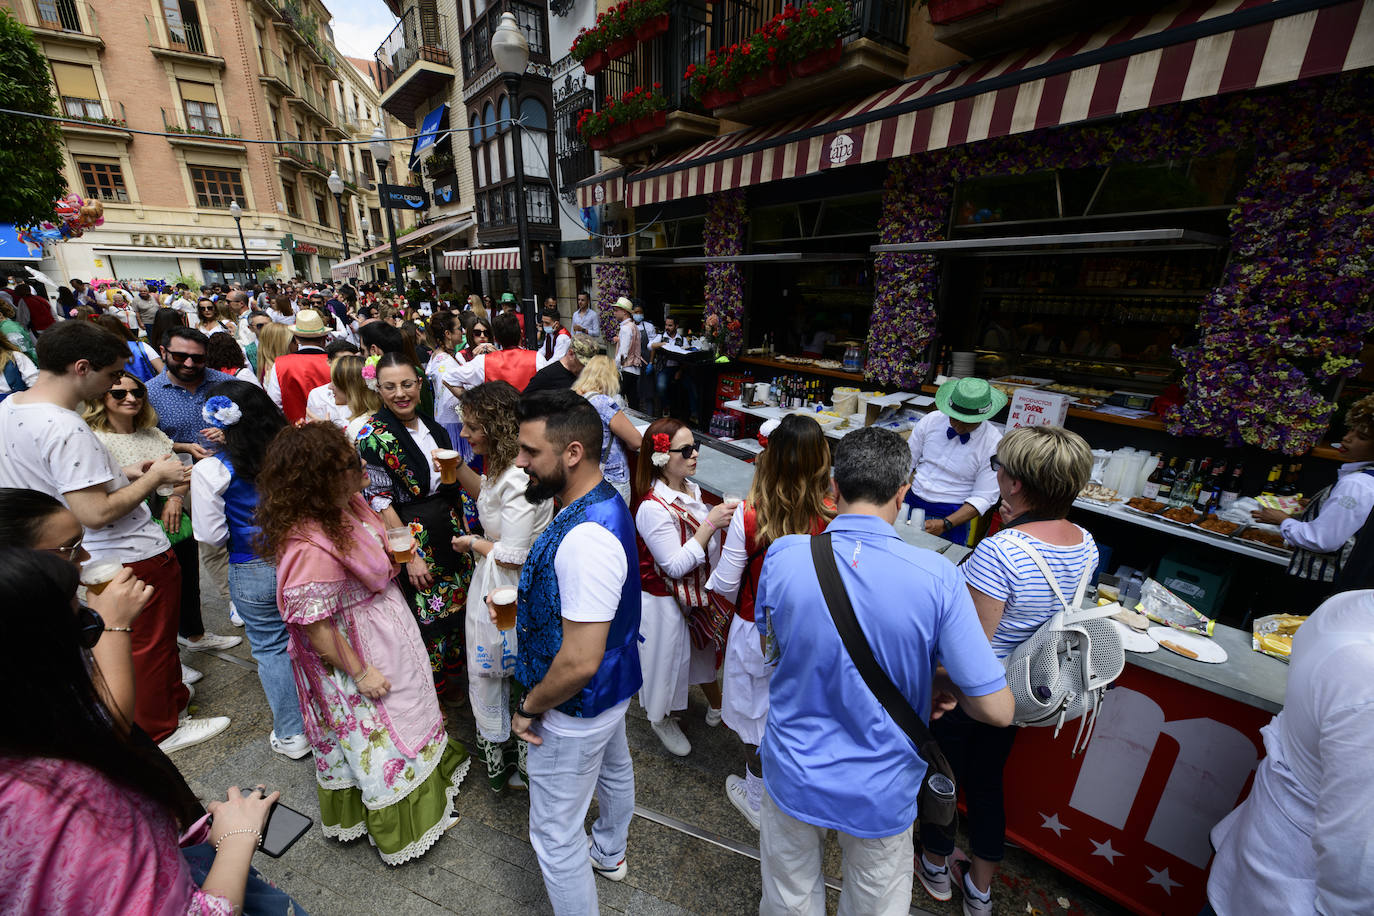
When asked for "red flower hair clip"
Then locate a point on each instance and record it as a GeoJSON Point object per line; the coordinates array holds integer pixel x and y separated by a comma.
{"type": "Point", "coordinates": [660, 457]}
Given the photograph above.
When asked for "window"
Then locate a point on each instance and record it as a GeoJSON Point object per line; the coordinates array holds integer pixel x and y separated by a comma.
{"type": "Point", "coordinates": [368, 173]}
{"type": "Point", "coordinates": [216, 187]}
{"type": "Point", "coordinates": [202, 109]}
{"type": "Point", "coordinates": [534, 138]}
{"type": "Point", "coordinates": [102, 179]}
{"type": "Point", "coordinates": [321, 210]}
{"type": "Point", "coordinates": [288, 190]}
{"type": "Point", "coordinates": [77, 89]}
{"type": "Point", "coordinates": [374, 219]}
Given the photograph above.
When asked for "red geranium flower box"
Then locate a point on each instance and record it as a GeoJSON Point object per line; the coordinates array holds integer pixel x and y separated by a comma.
{"type": "Point", "coordinates": [771, 78]}
{"type": "Point", "coordinates": [595, 62]}
{"type": "Point", "coordinates": [652, 28]}
{"type": "Point", "coordinates": [618, 49]}
{"type": "Point", "coordinates": [818, 62]}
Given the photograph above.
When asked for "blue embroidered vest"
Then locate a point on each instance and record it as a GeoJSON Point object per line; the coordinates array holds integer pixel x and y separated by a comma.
{"type": "Point", "coordinates": [540, 621]}
{"type": "Point", "coordinates": [240, 502]}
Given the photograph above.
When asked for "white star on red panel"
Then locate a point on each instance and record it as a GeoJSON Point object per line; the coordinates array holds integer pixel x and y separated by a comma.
{"type": "Point", "coordinates": [1105, 850]}
{"type": "Point", "coordinates": [1162, 878]}
{"type": "Point", "coordinates": [1052, 823]}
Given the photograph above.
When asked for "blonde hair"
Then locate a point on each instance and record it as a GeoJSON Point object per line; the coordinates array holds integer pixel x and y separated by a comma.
{"type": "Point", "coordinates": [790, 491]}
{"type": "Point", "coordinates": [477, 306]}
{"type": "Point", "coordinates": [98, 418]}
{"type": "Point", "coordinates": [1360, 417]}
{"type": "Point", "coordinates": [7, 349]}
{"type": "Point", "coordinates": [598, 376]}
{"type": "Point", "coordinates": [273, 341]}
{"type": "Point", "coordinates": [346, 375]}
{"type": "Point", "coordinates": [1051, 462]}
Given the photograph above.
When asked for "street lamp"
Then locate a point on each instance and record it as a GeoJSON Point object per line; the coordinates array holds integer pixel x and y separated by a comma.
{"type": "Point", "coordinates": [381, 152]}
{"type": "Point", "coordinates": [237, 213]}
{"type": "Point", "coordinates": [336, 187]}
{"type": "Point", "coordinates": [511, 52]}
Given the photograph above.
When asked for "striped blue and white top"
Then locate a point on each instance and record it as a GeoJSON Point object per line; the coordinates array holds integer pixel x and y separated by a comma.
{"type": "Point", "coordinates": [1001, 570]}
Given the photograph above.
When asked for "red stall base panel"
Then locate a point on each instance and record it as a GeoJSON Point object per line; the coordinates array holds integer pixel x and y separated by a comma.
{"type": "Point", "coordinates": [1130, 816]}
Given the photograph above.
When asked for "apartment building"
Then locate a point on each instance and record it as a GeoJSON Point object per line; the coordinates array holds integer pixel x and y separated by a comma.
{"type": "Point", "coordinates": [255, 101]}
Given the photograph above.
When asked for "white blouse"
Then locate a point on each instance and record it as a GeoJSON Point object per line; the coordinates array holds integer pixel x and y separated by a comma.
{"type": "Point", "coordinates": [659, 529]}
{"type": "Point", "coordinates": [509, 520]}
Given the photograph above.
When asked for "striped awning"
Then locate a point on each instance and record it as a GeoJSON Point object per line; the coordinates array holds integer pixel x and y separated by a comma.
{"type": "Point", "coordinates": [1186, 51]}
{"type": "Point", "coordinates": [496, 259]}
{"type": "Point", "coordinates": [345, 270]}
{"type": "Point", "coordinates": [606, 188]}
{"type": "Point", "coordinates": [457, 260]}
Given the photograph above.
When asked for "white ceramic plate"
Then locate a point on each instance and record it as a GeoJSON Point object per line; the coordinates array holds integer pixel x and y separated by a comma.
{"type": "Point", "coordinates": [1134, 640]}
{"type": "Point", "coordinates": [1207, 650]}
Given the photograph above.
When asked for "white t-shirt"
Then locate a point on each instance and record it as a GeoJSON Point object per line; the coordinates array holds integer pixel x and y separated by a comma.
{"type": "Point", "coordinates": [51, 449]}
{"type": "Point", "coordinates": [591, 569]}
{"type": "Point", "coordinates": [441, 362]}
{"type": "Point", "coordinates": [321, 403]}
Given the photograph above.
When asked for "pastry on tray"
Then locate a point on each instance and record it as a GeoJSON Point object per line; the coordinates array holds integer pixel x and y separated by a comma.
{"type": "Point", "coordinates": [1218, 526]}
{"type": "Point", "coordinates": [1153, 506]}
{"type": "Point", "coordinates": [1183, 515]}
{"type": "Point", "coordinates": [1267, 538]}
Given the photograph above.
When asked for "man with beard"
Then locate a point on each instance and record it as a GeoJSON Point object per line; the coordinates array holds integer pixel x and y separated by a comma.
{"type": "Point", "coordinates": [179, 393]}
{"type": "Point", "coordinates": [578, 661]}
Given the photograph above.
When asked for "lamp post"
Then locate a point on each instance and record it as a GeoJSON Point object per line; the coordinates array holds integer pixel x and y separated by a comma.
{"type": "Point", "coordinates": [511, 52]}
{"type": "Point", "coordinates": [336, 187]}
{"type": "Point", "coordinates": [381, 152]}
{"type": "Point", "coordinates": [237, 213]}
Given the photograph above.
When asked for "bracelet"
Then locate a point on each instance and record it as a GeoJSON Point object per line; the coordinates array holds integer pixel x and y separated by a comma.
{"type": "Point", "coordinates": [520, 710]}
{"type": "Point", "coordinates": [359, 678]}
{"type": "Point", "coordinates": [119, 629]}
{"type": "Point", "coordinates": [948, 523]}
{"type": "Point", "coordinates": [229, 833]}
{"type": "Point", "coordinates": [711, 524]}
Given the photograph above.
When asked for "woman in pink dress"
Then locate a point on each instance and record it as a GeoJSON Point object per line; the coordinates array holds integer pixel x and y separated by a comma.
{"type": "Point", "coordinates": [384, 764]}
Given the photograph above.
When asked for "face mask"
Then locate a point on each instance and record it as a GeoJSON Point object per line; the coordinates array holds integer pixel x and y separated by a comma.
{"type": "Point", "coordinates": [639, 319]}
{"type": "Point", "coordinates": [548, 329]}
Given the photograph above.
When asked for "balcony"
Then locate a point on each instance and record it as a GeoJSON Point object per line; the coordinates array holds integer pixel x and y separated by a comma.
{"type": "Point", "coordinates": [71, 22]}
{"type": "Point", "coordinates": [93, 118]}
{"type": "Point", "coordinates": [477, 60]}
{"type": "Point", "coordinates": [305, 28]}
{"type": "Point", "coordinates": [201, 131]}
{"type": "Point", "coordinates": [302, 157]}
{"type": "Point", "coordinates": [437, 165]}
{"type": "Point", "coordinates": [496, 210]}
{"type": "Point", "coordinates": [186, 42]}
{"type": "Point", "coordinates": [414, 64]}
{"type": "Point", "coordinates": [275, 74]}
{"type": "Point", "coordinates": [983, 27]}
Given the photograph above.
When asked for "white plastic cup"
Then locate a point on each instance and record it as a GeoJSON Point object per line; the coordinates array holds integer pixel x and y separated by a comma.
{"type": "Point", "coordinates": [98, 572]}
{"type": "Point", "coordinates": [503, 600]}
{"type": "Point", "coordinates": [401, 543]}
{"type": "Point", "coordinates": [448, 465]}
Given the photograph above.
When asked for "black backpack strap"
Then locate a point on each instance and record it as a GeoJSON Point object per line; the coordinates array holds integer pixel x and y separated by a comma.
{"type": "Point", "coordinates": [842, 612]}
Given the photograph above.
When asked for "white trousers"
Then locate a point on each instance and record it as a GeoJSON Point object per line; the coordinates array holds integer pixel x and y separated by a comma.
{"type": "Point", "coordinates": [877, 872]}
{"type": "Point", "coordinates": [670, 662]}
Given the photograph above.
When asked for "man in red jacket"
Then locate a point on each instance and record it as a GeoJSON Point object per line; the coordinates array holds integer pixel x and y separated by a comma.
{"type": "Point", "coordinates": [294, 375]}
{"type": "Point", "coordinates": [508, 364]}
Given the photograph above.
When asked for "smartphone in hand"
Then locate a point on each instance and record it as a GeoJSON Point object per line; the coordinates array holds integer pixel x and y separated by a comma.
{"type": "Point", "coordinates": [285, 825]}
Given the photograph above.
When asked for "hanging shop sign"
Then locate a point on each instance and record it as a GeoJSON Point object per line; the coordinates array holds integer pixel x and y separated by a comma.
{"type": "Point", "coordinates": [443, 193]}
{"type": "Point", "coordinates": [401, 197]}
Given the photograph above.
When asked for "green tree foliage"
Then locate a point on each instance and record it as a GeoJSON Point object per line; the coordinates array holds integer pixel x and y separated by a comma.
{"type": "Point", "coordinates": [31, 154]}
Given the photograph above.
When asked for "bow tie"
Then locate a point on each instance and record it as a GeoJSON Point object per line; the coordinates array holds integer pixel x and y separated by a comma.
{"type": "Point", "coordinates": [963, 437]}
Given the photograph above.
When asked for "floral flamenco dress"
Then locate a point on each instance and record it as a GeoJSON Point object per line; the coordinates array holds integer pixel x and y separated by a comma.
{"type": "Point", "coordinates": [400, 475]}
{"type": "Point", "coordinates": [383, 768]}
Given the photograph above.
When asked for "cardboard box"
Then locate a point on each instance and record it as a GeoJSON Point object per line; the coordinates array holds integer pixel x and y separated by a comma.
{"type": "Point", "coordinates": [1030, 407]}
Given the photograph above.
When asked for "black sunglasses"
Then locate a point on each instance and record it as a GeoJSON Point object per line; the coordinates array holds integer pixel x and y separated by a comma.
{"type": "Point", "coordinates": [186, 357]}
{"type": "Point", "coordinates": [687, 451]}
{"type": "Point", "coordinates": [90, 625]}
{"type": "Point", "coordinates": [120, 394]}
{"type": "Point", "coordinates": [480, 332]}
{"type": "Point", "coordinates": [995, 464]}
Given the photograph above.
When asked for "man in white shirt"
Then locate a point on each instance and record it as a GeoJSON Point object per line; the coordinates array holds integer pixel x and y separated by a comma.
{"type": "Point", "coordinates": [629, 356]}
{"type": "Point", "coordinates": [321, 404]}
{"type": "Point", "coordinates": [46, 446]}
{"type": "Point", "coordinates": [578, 615]}
{"type": "Point", "coordinates": [585, 320]}
{"type": "Point", "coordinates": [951, 451]}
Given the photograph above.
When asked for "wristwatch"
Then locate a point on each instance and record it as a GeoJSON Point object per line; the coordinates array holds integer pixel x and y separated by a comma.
{"type": "Point", "coordinates": [948, 524]}
{"type": "Point", "coordinates": [520, 709]}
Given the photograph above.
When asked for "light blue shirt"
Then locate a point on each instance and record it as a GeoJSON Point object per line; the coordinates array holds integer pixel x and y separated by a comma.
{"type": "Point", "coordinates": [832, 756]}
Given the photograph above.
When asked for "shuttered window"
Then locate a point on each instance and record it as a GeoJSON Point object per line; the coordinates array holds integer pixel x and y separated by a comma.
{"type": "Point", "coordinates": [217, 187]}
{"type": "Point", "coordinates": [76, 86]}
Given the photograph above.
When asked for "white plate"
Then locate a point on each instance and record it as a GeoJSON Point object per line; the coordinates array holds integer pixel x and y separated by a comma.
{"type": "Point", "coordinates": [1207, 650]}
{"type": "Point", "coordinates": [1134, 640]}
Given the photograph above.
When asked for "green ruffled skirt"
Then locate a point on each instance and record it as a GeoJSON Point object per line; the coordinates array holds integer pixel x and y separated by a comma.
{"type": "Point", "coordinates": [406, 829]}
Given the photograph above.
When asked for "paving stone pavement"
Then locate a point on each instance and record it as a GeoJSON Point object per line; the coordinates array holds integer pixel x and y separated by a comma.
{"type": "Point", "coordinates": [485, 864]}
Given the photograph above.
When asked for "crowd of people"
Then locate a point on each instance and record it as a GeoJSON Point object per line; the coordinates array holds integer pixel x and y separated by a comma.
{"type": "Point", "coordinates": [372, 488]}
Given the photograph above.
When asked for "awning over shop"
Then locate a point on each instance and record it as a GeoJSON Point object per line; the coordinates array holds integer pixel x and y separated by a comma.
{"type": "Point", "coordinates": [430, 235]}
{"type": "Point", "coordinates": [606, 188]}
{"type": "Point", "coordinates": [457, 260]}
{"type": "Point", "coordinates": [346, 270]}
{"type": "Point", "coordinates": [495, 259]}
{"type": "Point", "coordinates": [1187, 51]}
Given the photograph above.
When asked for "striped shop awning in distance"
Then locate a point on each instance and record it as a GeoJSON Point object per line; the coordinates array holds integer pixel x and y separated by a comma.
{"type": "Point", "coordinates": [456, 260]}
{"type": "Point", "coordinates": [1185, 51]}
{"type": "Point", "coordinates": [606, 188]}
{"type": "Point", "coordinates": [495, 258]}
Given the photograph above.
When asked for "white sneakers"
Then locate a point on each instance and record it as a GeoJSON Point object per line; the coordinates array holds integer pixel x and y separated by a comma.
{"type": "Point", "coordinates": [712, 716]}
{"type": "Point", "coordinates": [737, 791]}
{"type": "Point", "coordinates": [615, 872]}
{"type": "Point", "coordinates": [209, 641]}
{"type": "Point", "coordinates": [234, 617]}
{"type": "Point", "coordinates": [672, 737]}
{"type": "Point", "coordinates": [193, 731]}
{"type": "Point", "coordinates": [293, 746]}
{"type": "Point", "coordinates": [935, 881]}
{"type": "Point", "coordinates": [190, 675]}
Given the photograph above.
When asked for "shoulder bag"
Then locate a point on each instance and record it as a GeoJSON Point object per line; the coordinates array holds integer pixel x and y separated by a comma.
{"type": "Point", "coordinates": [936, 803]}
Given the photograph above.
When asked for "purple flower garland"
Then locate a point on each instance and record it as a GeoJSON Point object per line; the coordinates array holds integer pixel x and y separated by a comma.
{"type": "Point", "coordinates": [612, 282]}
{"type": "Point", "coordinates": [1294, 306]}
{"type": "Point", "coordinates": [723, 234]}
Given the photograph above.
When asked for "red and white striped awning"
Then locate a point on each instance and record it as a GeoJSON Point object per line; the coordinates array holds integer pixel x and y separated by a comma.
{"type": "Point", "coordinates": [495, 258]}
{"type": "Point", "coordinates": [606, 188]}
{"type": "Point", "coordinates": [345, 270]}
{"type": "Point", "coordinates": [1186, 51]}
{"type": "Point", "coordinates": [456, 260]}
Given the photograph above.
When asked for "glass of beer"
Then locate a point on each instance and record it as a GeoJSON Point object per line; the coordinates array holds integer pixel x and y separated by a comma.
{"type": "Point", "coordinates": [503, 600]}
{"type": "Point", "coordinates": [401, 543]}
{"type": "Point", "coordinates": [97, 572]}
{"type": "Point", "coordinates": [448, 465]}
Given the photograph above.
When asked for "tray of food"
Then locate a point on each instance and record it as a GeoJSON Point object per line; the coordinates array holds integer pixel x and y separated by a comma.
{"type": "Point", "coordinates": [1143, 506]}
{"type": "Point", "coordinates": [1102, 496]}
{"type": "Point", "coordinates": [1267, 537]}
{"type": "Point", "coordinates": [1023, 381]}
{"type": "Point", "coordinates": [1184, 515]}
{"type": "Point", "coordinates": [1218, 526]}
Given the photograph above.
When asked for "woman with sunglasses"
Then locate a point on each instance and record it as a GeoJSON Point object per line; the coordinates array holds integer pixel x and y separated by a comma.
{"type": "Point", "coordinates": [476, 335]}
{"type": "Point", "coordinates": [79, 790]}
{"type": "Point", "coordinates": [209, 321]}
{"type": "Point", "coordinates": [126, 424]}
{"type": "Point", "coordinates": [599, 383]}
{"type": "Point", "coordinates": [679, 542]}
{"type": "Point", "coordinates": [398, 445]}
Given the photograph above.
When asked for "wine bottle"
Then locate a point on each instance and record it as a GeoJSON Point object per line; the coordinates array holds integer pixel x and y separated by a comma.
{"type": "Point", "coordinates": [1166, 481]}
{"type": "Point", "coordinates": [1195, 485]}
{"type": "Point", "coordinates": [1152, 483]}
{"type": "Point", "coordinates": [1230, 491]}
{"type": "Point", "coordinates": [1289, 487]}
{"type": "Point", "coordinates": [1210, 492]}
{"type": "Point", "coordinates": [1271, 484]}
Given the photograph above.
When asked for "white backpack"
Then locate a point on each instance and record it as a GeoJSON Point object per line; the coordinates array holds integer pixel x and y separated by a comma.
{"type": "Point", "coordinates": [1060, 672]}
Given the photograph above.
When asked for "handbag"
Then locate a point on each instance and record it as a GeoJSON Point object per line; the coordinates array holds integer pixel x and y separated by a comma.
{"type": "Point", "coordinates": [936, 802]}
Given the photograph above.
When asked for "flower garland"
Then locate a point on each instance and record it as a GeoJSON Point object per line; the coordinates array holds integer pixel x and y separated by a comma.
{"type": "Point", "coordinates": [1294, 305]}
{"type": "Point", "coordinates": [612, 282]}
{"type": "Point", "coordinates": [723, 234]}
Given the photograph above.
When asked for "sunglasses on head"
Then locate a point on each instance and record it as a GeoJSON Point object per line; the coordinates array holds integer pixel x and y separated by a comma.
{"type": "Point", "coordinates": [120, 394]}
{"type": "Point", "coordinates": [995, 464]}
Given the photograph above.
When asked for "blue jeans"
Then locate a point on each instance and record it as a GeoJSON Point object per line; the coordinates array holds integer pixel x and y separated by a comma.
{"type": "Point", "coordinates": [260, 896]}
{"type": "Point", "coordinates": [563, 774]}
{"type": "Point", "coordinates": [253, 588]}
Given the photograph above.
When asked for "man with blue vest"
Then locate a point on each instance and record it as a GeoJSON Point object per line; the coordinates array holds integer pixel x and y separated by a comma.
{"type": "Point", "coordinates": [578, 662]}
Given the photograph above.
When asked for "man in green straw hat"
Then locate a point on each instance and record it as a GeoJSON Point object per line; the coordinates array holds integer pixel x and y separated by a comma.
{"type": "Point", "coordinates": [953, 481]}
{"type": "Point", "coordinates": [511, 306]}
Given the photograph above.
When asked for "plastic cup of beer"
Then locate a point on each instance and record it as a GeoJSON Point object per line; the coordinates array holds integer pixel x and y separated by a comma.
{"type": "Point", "coordinates": [97, 572]}
{"type": "Point", "coordinates": [166, 490]}
{"type": "Point", "coordinates": [503, 600]}
{"type": "Point", "coordinates": [448, 465]}
{"type": "Point", "coordinates": [402, 544]}
{"type": "Point", "coordinates": [732, 500]}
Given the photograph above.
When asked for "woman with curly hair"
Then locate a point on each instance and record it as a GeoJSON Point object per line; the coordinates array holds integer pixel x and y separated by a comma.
{"type": "Point", "coordinates": [384, 764]}
{"type": "Point", "coordinates": [510, 523]}
{"type": "Point", "coordinates": [790, 494]}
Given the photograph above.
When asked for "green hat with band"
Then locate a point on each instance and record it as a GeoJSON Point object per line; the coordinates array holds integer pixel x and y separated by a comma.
{"type": "Point", "coordinates": [508, 297]}
{"type": "Point", "coordinates": [971, 400]}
